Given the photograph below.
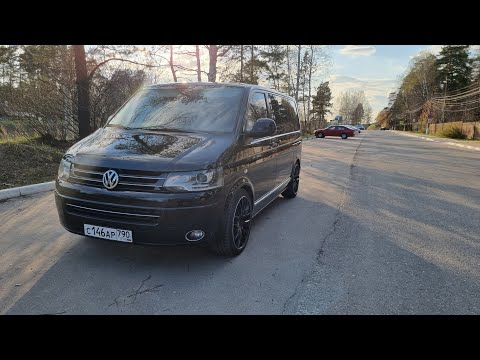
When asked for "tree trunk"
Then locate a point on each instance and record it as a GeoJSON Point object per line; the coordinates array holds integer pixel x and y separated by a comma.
{"type": "Point", "coordinates": [212, 68]}
{"type": "Point", "coordinates": [251, 61]}
{"type": "Point", "coordinates": [289, 74]}
{"type": "Point", "coordinates": [298, 71]}
{"type": "Point", "coordinates": [310, 82]}
{"type": "Point", "coordinates": [241, 63]}
{"type": "Point", "coordinates": [303, 100]}
{"type": "Point", "coordinates": [83, 91]}
{"type": "Point", "coordinates": [199, 70]}
{"type": "Point", "coordinates": [171, 64]}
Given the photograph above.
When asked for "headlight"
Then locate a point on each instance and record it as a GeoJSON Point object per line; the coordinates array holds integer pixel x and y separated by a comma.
{"type": "Point", "coordinates": [194, 180]}
{"type": "Point", "coordinates": [64, 168]}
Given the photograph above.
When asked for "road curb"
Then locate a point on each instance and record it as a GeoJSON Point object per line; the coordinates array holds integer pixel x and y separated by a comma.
{"type": "Point", "coordinates": [26, 190]}
{"type": "Point", "coordinates": [440, 142]}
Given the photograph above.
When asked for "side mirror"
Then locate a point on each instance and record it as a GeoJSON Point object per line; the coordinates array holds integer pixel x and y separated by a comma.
{"type": "Point", "coordinates": [262, 128]}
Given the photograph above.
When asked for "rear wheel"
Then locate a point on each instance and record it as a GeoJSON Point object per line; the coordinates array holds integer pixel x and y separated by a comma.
{"type": "Point", "coordinates": [344, 136]}
{"type": "Point", "coordinates": [292, 187]}
{"type": "Point", "coordinates": [235, 231]}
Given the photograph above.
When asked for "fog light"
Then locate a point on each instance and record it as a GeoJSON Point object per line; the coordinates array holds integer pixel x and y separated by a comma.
{"type": "Point", "coordinates": [194, 235]}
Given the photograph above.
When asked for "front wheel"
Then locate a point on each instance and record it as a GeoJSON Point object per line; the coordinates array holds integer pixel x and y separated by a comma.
{"type": "Point", "coordinates": [292, 187]}
{"type": "Point", "coordinates": [233, 237]}
{"type": "Point", "coordinates": [344, 136]}
{"type": "Point", "coordinates": [320, 135]}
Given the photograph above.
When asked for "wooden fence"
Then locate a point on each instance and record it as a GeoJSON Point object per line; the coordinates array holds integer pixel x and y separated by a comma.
{"type": "Point", "coordinates": [470, 129]}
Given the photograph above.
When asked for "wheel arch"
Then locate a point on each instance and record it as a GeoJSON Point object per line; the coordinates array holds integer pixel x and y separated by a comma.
{"type": "Point", "coordinates": [243, 183]}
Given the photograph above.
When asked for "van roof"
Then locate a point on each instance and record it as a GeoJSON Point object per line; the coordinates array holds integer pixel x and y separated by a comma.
{"type": "Point", "coordinates": [250, 86]}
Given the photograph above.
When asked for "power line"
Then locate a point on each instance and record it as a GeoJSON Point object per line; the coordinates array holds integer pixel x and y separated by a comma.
{"type": "Point", "coordinates": [477, 107]}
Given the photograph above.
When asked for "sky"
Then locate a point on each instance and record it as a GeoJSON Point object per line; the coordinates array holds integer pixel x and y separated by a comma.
{"type": "Point", "coordinates": [375, 69]}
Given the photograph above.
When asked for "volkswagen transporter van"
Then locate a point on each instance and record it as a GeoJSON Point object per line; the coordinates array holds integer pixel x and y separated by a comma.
{"type": "Point", "coordinates": [183, 163]}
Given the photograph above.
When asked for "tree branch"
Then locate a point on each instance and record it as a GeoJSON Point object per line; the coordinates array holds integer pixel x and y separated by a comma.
{"type": "Point", "coordinates": [119, 59]}
{"type": "Point", "coordinates": [224, 52]}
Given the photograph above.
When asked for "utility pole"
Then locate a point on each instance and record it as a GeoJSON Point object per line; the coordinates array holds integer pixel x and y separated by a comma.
{"type": "Point", "coordinates": [444, 95]}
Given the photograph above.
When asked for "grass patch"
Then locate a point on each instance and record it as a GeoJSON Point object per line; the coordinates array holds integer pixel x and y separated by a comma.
{"type": "Point", "coordinates": [26, 161]}
{"type": "Point", "coordinates": [373, 127]}
{"type": "Point", "coordinates": [307, 136]}
{"type": "Point", "coordinates": [441, 136]}
{"type": "Point", "coordinates": [452, 132]}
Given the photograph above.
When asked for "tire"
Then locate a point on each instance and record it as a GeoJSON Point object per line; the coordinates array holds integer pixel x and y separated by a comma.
{"type": "Point", "coordinates": [344, 136]}
{"type": "Point", "coordinates": [320, 135]}
{"type": "Point", "coordinates": [235, 230]}
{"type": "Point", "coordinates": [292, 187]}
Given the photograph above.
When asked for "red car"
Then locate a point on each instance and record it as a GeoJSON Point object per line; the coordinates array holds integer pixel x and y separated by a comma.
{"type": "Point", "coordinates": [335, 130]}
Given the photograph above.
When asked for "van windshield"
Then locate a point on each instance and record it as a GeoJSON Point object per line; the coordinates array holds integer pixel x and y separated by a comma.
{"type": "Point", "coordinates": [183, 108]}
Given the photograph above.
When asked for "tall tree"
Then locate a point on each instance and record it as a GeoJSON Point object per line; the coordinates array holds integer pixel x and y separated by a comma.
{"type": "Point", "coordinates": [367, 113]}
{"type": "Point", "coordinates": [349, 101]}
{"type": "Point", "coordinates": [420, 83]}
{"type": "Point", "coordinates": [382, 118]}
{"type": "Point", "coordinates": [321, 102]}
{"type": "Point", "coordinates": [358, 113]}
{"type": "Point", "coordinates": [289, 72]}
{"type": "Point", "coordinates": [83, 91]}
{"type": "Point", "coordinates": [454, 67]}
{"type": "Point", "coordinates": [299, 53]}
{"type": "Point", "coordinates": [252, 61]}
{"type": "Point", "coordinates": [199, 70]}
{"type": "Point", "coordinates": [241, 63]}
{"type": "Point", "coordinates": [249, 71]}
{"type": "Point", "coordinates": [214, 52]}
{"type": "Point", "coordinates": [274, 57]}
{"type": "Point", "coordinates": [172, 67]}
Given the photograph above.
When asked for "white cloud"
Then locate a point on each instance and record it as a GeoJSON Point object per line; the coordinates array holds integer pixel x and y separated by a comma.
{"type": "Point", "coordinates": [358, 50]}
{"type": "Point", "coordinates": [435, 49]}
{"type": "Point", "coordinates": [376, 90]}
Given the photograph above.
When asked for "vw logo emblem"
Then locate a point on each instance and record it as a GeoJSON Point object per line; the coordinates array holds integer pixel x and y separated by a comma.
{"type": "Point", "coordinates": [110, 179]}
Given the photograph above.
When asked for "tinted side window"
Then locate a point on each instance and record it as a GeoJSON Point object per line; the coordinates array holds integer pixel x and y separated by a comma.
{"type": "Point", "coordinates": [257, 108]}
{"type": "Point", "coordinates": [282, 113]}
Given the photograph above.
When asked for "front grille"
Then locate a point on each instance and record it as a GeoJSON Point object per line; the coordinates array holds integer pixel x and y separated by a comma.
{"type": "Point", "coordinates": [97, 212]}
{"type": "Point", "coordinates": [129, 180]}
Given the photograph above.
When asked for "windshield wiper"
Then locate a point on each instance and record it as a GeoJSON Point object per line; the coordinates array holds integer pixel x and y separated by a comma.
{"type": "Point", "coordinates": [152, 128]}
{"type": "Point", "coordinates": [158, 128]}
{"type": "Point", "coordinates": [119, 126]}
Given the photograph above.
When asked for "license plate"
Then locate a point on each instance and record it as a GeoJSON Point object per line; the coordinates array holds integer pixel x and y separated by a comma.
{"type": "Point", "coordinates": [108, 233]}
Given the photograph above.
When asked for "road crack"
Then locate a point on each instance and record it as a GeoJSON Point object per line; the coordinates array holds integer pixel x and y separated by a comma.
{"type": "Point", "coordinates": [122, 300]}
{"type": "Point", "coordinates": [291, 302]}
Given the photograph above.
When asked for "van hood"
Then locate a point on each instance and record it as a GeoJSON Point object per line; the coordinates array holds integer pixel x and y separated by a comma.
{"type": "Point", "coordinates": [151, 150]}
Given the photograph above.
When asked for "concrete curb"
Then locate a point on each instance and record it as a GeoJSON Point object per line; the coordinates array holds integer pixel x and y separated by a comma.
{"type": "Point", "coordinates": [440, 142]}
{"type": "Point", "coordinates": [26, 190]}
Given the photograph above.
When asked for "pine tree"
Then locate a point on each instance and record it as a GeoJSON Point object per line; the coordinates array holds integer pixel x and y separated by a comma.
{"type": "Point", "coordinates": [358, 114]}
{"type": "Point", "coordinates": [275, 59]}
{"type": "Point", "coordinates": [454, 67]}
{"type": "Point", "coordinates": [321, 102]}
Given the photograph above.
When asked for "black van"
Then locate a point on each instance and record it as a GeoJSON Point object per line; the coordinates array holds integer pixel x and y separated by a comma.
{"type": "Point", "coordinates": [183, 163]}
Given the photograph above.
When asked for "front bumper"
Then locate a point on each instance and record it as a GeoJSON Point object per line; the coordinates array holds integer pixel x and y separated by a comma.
{"type": "Point", "coordinates": [153, 218]}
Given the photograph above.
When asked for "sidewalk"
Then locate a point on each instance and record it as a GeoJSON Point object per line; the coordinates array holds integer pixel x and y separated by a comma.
{"type": "Point", "coordinates": [466, 144]}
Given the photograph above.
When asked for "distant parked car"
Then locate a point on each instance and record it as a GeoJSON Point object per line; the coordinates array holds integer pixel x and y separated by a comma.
{"type": "Point", "coordinates": [384, 128]}
{"type": "Point", "coordinates": [354, 128]}
{"type": "Point", "coordinates": [335, 130]}
{"type": "Point", "coordinates": [360, 127]}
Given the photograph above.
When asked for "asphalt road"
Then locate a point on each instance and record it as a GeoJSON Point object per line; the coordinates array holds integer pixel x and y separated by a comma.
{"type": "Point", "coordinates": [383, 224]}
